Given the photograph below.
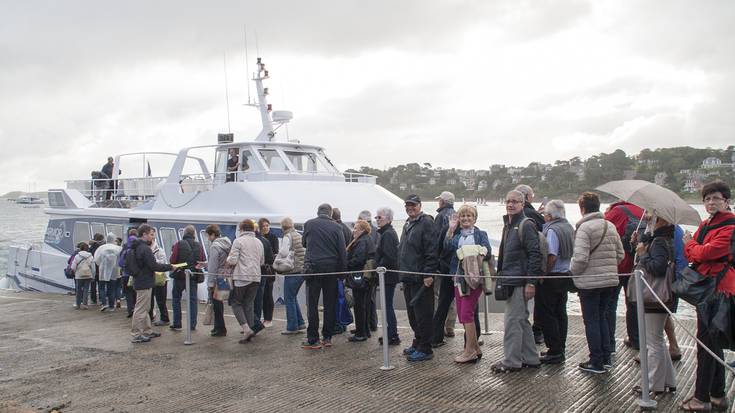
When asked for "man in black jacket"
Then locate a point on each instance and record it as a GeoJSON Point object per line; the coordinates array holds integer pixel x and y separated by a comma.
{"type": "Point", "coordinates": [143, 283]}
{"type": "Point", "coordinates": [445, 314]}
{"type": "Point", "coordinates": [386, 255]}
{"type": "Point", "coordinates": [417, 253]}
{"type": "Point", "coordinates": [187, 251]}
{"type": "Point", "coordinates": [519, 256]}
{"type": "Point", "coordinates": [326, 251]}
{"type": "Point", "coordinates": [263, 304]}
{"type": "Point", "coordinates": [530, 212]}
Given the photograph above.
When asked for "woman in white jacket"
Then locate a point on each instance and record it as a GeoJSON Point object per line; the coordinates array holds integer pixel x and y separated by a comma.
{"type": "Point", "coordinates": [84, 269]}
{"type": "Point", "coordinates": [597, 252]}
{"type": "Point", "coordinates": [106, 258]}
{"type": "Point", "coordinates": [247, 255]}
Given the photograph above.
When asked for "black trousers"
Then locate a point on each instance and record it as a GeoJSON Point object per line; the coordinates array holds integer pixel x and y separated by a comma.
{"type": "Point", "coordinates": [361, 308]}
{"type": "Point", "coordinates": [326, 285]}
{"type": "Point", "coordinates": [446, 297]}
{"type": "Point", "coordinates": [551, 312]}
{"type": "Point", "coordinates": [710, 374]}
{"type": "Point", "coordinates": [373, 309]}
{"type": "Point", "coordinates": [159, 295]}
{"type": "Point", "coordinates": [219, 315]}
{"type": "Point", "coordinates": [420, 314]}
{"type": "Point", "coordinates": [268, 298]}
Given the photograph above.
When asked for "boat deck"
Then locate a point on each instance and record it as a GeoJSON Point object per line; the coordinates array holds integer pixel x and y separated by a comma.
{"type": "Point", "coordinates": [56, 357]}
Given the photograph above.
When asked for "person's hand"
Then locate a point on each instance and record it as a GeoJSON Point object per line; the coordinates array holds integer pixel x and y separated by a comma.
{"type": "Point", "coordinates": [640, 249]}
{"type": "Point", "coordinates": [428, 281]}
{"type": "Point", "coordinates": [529, 292]}
{"type": "Point", "coordinates": [634, 237]}
{"type": "Point", "coordinates": [453, 222]}
{"type": "Point", "coordinates": [687, 237]}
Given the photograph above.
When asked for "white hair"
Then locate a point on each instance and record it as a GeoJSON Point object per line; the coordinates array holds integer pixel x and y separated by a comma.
{"type": "Point", "coordinates": [365, 215]}
{"type": "Point", "coordinates": [385, 212]}
{"type": "Point", "coordinates": [526, 190]}
{"type": "Point", "coordinates": [555, 208]}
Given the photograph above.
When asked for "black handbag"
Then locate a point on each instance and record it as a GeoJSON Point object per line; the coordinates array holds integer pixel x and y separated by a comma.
{"type": "Point", "coordinates": [715, 314]}
{"type": "Point", "coordinates": [694, 287]}
{"type": "Point", "coordinates": [500, 292]}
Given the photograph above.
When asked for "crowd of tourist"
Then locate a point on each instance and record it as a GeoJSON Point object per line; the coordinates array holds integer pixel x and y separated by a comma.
{"type": "Point", "coordinates": [443, 263]}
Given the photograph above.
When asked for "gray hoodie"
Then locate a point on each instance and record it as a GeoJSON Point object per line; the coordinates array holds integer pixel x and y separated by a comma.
{"type": "Point", "coordinates": [218, 252]}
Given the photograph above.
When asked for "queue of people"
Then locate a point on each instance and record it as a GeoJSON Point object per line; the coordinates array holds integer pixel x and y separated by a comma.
{"type": "Point", "coordinates": [534, 261]}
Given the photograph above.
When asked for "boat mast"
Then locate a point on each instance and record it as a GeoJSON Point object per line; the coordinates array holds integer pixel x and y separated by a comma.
{"type": "Point", "coordinates": [266, 134]}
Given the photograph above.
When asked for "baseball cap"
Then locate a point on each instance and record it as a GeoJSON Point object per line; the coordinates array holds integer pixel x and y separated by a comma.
{"type": "Point", "coordinates": [446, 196]}
{"type": "Point", "coordinates": [413, 199]}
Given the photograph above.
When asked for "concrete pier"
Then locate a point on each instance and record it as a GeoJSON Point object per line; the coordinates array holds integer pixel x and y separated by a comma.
{"type": "Point", "coordinates": [53, 356]}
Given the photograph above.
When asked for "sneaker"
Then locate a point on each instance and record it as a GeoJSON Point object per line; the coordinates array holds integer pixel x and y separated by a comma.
{"type": "Point", "coordinates": [438, 344]}
{"type": "Point", "coordinates": [175, 328]}
{"type": "Point", "coordinates": [140, 339]}
{"type": "Point", "coordinates": [420, 356]}
{"type": "Point", "coordinates": [160, 323]}
{"type": "Point", "coordinates": [217, 333]}
{"type": "Point", "coordinates": [84, 307]}
{"type": "Point", "coordinates": [302, 327]}
{"type": "Point", "coordinates": [391, 341]}
{"type": "Point", "coordinates": [103, 309]}
{"type": "Point", "coordinates": [311, 345]}
{"type": "Point", "coordinates": [327, 342]}
{"type": "Point", "coordinates": [257, 328]}
{"type": "Point", "coordinates": [290, 332]}
{"type": "Point", "coordinates": [552, 358]}
{"type": "Point", "coordinates": [592, 368]}
{"type": "Point", "coordinates": [409, 350]}
{"type": "Point", "coordinates": [267, 324]}
{"type": "Point", "coordinates": [355, 338]}
{"type": "Point", "coordinates": [153, 334]}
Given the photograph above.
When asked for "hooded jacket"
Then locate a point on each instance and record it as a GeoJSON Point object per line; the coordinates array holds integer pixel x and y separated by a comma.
{"type": "Point", "coordinates": [106, 258]}
{"type": "Point", "coordinates": [218, 252]}
{"type": "Point", "coordinates": [604, 260]}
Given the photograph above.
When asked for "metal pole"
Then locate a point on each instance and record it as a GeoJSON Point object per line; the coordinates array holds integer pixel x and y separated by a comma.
{"type": "Point", "coordinates": [187, 339]}
{"type": "Point", "coordinates": [645, 401]}
{"type": "Point", "coordinates": [384, 319]}
{"type": "Point", "coordinates": [486, 300]}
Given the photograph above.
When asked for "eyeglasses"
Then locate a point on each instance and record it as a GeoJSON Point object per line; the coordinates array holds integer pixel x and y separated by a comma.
{"type": "Point", "coordinates": [378, 218]}
{"type": "Point", "coordinates": [713, 199]}
{"type": "Point", "coordinates": [512, 201]}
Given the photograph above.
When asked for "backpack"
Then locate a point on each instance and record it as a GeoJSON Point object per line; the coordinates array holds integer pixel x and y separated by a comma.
{"type": "Point", "coordinates": [131, 262]}
{"type": "Point", "coordinates": [632, 226]}
{"type": "Point", "coordinates": [68, 272]}
{"type": "Point", "coordinates": [543, 244]}
{"type": "Point", "coordinates": [189, 250]}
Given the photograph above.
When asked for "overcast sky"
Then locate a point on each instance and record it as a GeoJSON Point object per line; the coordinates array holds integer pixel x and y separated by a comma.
{"type": "Point", "coordinates": [455, 83]}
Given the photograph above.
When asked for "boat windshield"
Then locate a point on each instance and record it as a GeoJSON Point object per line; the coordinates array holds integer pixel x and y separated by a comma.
{"type": "Point", "coordinates": [305, 161]}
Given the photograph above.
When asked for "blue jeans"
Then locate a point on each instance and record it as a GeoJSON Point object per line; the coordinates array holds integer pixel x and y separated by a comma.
{"type": "Point", "coordinates": [390, 290]}
{"type": "Point", "coordinates": [343, 316]}
{"type": "Point", "coordinates": [82, 293]}
{"type": "Point", "coordinates": [291, 286]}
{"type": "Point", "coordinates": [595, 304]}
{"type": "Point", "coordinates": [178, 289]}
{"type": "Point", "coordinates": [107, 292]}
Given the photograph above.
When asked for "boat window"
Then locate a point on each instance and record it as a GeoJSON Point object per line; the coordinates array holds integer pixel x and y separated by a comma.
{"type": "Point", "coordinates": [115, 229]}
{"type": "Point", "coordinates": [305, 161]}
{"type": "Point", "coordinates": [206, 243]}
{"type": "Point", "coordinates": [273, 160]}
{"type": "Point", "coordinates": [168, 239]}
{"type": "Point", "coordinates": [81, 233]}
{"type": "Point", "coordinates": [248, 162]}
{"type": "Point", "coordinates": [220, 166]}
{"type": "Point", "coordinates": [98, 228]}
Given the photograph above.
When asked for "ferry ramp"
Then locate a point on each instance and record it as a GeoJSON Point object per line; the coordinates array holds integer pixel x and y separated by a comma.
{"type": "Point", "coordinates": [53, 357]}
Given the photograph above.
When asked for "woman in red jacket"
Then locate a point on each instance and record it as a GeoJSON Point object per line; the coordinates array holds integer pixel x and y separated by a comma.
{"type": "Point", "coordinates": [709, 251]}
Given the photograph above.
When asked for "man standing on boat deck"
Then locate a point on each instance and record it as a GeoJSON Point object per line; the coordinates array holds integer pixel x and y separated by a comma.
{"type": "Point", "coordinates": [143, 282]}
{"type": "Point", "coordinates": [519, 256]}
{"type": "Point", "coordinates": [417, 253]}
{"type": "Point", "coordinates": [107, 170]}
{"type": "Point", "coordinates": [326, 251]}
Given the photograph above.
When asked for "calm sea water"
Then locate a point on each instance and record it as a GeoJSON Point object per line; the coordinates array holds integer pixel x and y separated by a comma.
{"type": "Point", "coordinates": [27, 224]}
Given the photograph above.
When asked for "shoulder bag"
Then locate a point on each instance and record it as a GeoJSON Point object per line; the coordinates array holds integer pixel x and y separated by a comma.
{"type": "Point", "coordinates": [661, 286]}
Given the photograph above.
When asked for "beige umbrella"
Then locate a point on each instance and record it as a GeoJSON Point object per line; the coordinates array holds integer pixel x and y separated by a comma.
{"type": "Point", "coordinates": [655, 199]}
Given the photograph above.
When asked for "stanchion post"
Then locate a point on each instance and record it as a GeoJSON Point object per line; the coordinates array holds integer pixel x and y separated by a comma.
{"type": "Point", "coordinates": [486, 300]}
{"type": "Point", "coordinates": [384, 319]}
{"type": "Point", "coordinates": [187, 339]}
{"type": "Point", "coordinates": [645, 401]}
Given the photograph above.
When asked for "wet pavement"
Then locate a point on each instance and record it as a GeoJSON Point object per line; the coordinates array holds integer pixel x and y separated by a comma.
{"type": "Point", "coordinates": [55, 357]}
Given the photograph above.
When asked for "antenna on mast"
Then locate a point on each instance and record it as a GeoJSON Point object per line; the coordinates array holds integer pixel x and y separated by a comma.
{"type": "Point", "coordinates": [257, 48]}
{"type": "Point", "coordinates": [247, 67]}
{"type": "Point", "coordinates": [227, 93]}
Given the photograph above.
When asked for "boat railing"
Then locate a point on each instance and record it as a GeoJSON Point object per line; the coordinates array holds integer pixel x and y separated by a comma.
{"type": "Point", "coordinates": [138, 189]}
{"type": "Point", "coordinates": [361, 178]}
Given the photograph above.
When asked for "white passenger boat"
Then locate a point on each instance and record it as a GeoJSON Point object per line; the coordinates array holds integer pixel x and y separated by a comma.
{"type": "Point", "coordinates": [269, 177]}
{"type": "Point", "coordinates": [29, 200]}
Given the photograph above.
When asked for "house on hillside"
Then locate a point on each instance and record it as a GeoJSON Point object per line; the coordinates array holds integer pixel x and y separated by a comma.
{"type": "Point", "coordinates": [660, 178]}
{"type": "Point", "coordinates": [711, 163]}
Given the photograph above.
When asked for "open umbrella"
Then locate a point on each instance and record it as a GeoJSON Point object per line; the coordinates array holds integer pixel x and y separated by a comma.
{"type": "Point", "coordinates": [654, 198]}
